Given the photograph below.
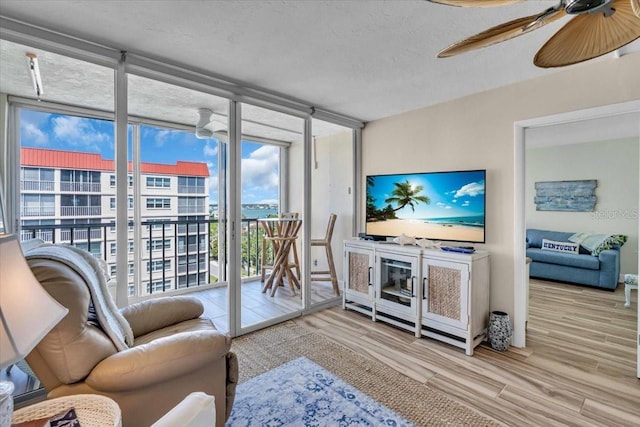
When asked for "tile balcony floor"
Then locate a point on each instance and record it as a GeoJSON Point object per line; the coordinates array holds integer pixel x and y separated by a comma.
{"type": "Point", "coordinates": [258, 306]}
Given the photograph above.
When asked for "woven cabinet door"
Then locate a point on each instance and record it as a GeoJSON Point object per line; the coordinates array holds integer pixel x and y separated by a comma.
{"type": "Point", "coordinates": [445, 293]}
{"type": "Point", "coordinates": [359, 273]}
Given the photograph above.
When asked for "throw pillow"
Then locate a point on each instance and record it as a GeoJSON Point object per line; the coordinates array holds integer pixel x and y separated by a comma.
{"type": "Point", "coordinates": [551, 245]}
{"type": "Point", "coordinates": [597, 243]}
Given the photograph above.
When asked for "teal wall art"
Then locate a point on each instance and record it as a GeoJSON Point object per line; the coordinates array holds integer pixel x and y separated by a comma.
{"type": "Point", "coordinates": [572, 196]}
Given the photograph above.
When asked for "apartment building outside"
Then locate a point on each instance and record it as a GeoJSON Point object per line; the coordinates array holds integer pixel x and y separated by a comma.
{"type": "Point", "coordinates": [70, 197]}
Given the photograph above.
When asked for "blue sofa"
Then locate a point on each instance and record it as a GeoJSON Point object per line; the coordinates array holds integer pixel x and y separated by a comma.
{"type": "Point", "coordinates": [600, 271]}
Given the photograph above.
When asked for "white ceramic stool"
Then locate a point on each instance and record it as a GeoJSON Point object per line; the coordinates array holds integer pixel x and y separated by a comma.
{"type": "Point", "coordinates": [630, 282]}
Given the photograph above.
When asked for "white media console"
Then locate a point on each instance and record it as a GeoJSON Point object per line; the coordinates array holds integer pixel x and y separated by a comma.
{"type": "Point", "coordinates": [430, 292]}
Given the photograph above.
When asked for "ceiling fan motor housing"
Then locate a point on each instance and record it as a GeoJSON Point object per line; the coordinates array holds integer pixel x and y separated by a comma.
{"type": "Point", "coordinates": [205, 118]}
{"type": "Point", "coordinates": [578, 7]}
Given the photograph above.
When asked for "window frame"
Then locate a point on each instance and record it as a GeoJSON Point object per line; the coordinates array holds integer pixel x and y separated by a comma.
{"type": "Point", "coordinates": [165, 202]}
{"type": "Point", "coordinates": [163, 180]}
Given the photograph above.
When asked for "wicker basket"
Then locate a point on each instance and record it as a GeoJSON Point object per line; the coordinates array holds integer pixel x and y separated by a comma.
{"type": "Point", "coordinates": [92, 410]}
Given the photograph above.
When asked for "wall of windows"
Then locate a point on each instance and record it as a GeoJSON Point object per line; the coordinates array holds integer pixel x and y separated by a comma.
{"type": "Point", "coordinates": [192, 203]}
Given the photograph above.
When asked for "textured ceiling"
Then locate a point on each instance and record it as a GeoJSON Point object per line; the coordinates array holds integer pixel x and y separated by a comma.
{"type": "Point", "coordinates": [364, 59]}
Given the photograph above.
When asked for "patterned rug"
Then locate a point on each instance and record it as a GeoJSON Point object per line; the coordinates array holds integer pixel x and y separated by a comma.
{"type": "Point", "coordinates": [269, 348]}
{"type": "Point", "coordinates": [301, 393]}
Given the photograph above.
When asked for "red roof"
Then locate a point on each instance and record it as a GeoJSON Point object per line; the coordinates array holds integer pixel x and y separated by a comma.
{"type": "Point", "coordinates": [40, 157]}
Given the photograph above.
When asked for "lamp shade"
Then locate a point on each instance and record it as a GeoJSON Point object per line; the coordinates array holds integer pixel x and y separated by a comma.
{"type": "Point", "coordinates": [27, 311]}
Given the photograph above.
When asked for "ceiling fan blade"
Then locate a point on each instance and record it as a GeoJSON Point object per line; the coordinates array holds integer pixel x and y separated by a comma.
{"type": "Point", "coordinates": [635, 5]}
{"type": "Point", "coordinates": [503, 32]}
{"type": "Point", "coordinates": [476, 3]}
{"type": "Point", "coordinates": [588, 36]}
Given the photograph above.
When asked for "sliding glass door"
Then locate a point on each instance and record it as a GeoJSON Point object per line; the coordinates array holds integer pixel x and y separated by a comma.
{"type": "Point", "coordinates": [177, 214]}
{"type": "Point", "coordinates": [332, 212]}
{"type": "Point", "coordinates": [169, 187]}
{"type": "Point", "coordinates": [271, 158]}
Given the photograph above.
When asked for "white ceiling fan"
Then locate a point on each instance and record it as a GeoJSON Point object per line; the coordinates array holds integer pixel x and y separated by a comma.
{"type": "Point", "coordinates": [206, 127]}
{"type": "Point", "coordinates": [597, 28]}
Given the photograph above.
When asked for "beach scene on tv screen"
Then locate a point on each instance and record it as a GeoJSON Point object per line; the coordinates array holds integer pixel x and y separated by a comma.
{"type": "Point", "coordinates": [435, 206]}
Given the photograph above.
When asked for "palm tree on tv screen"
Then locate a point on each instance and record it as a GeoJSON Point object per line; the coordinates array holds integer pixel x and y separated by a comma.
{"type": "Point", "coordinates": [406, 194]}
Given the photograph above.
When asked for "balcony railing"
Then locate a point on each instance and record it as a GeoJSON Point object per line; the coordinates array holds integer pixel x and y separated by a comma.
{"type": "Point", "coordinates": [67, 234]}
{"type": "Point", "coordinates": [29, 185]}
{"type": "Point", "coordinates": [190, 209]}
{"type": "Point", "coordinates": [91, 236]}
{"type": "Point", "coordinates": [38, 211]}
{"type": "Point", "coordinates": [192, 248]}
{"type": "Point", "coordinates": [80, 186]}
{"type": "Point", "coordinates": [182, 228]}
{"type": "Point", "coordinates": [80, 210]}
{"type": "Point", "coordinates": [46, 235]}
{"type": "Point", "coordinates": [193, 189]}
{"type": "Point", "coordinates": [96, 235]}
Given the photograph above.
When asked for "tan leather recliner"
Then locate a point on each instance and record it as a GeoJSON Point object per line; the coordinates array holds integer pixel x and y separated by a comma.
{"type": "Point", "coordinates": [175, 352]}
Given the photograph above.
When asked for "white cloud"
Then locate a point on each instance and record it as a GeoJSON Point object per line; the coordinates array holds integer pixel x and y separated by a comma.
{"type": "Point", "coordinates": [260, 169]}
{"type": "Point", "coordinates": [210, 151]}
{"type": "Point", "coordinates": [32, 133]}
{"type": "Point", "coordinates": [465, 204]}
{"type": "Point", "coordinates": [78, 131]}
{"type": "Point", "coordinates": [454, 201]}
{"type": "Point", "coordinates": [440, 204]}
{"type": "Point", "coordinates": [161, 137]}
{"type": "Point", "coordinates": [473, 189]}
{"type": "Point", "coordinates": [268, 201]}
{"type": "Point", "coordinates": [447, 207]}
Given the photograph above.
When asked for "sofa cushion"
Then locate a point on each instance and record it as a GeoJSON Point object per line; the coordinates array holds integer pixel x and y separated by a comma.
{"type": "Point", "coordinates": [572, 260]}
{"type": "Point", "coordinates": [535, 236]}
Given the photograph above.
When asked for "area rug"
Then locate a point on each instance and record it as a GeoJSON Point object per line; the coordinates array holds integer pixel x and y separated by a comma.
{"type": "Point", "coordinates": [269, 348]}
{"type": "Point", "coordinates": [301, 393]}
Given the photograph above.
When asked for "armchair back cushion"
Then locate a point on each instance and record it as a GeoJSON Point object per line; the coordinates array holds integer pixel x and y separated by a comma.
{"type": "Point", "coordinates": [75, 345]}
{"type": "Point", "coordinates": [174, 351]}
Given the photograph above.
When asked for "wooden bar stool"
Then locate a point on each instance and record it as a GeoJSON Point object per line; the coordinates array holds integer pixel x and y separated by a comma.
{"type": "Point", "coordinates": [281, 233]}
{"type": "Point", "coordinates": [265, 265]}
{"type": "Point", "coordinates": [327, 275]}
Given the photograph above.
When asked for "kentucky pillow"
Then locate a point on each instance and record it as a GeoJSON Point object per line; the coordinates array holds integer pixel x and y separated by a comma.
{"type": "Point", "coordinates": [551, 245]}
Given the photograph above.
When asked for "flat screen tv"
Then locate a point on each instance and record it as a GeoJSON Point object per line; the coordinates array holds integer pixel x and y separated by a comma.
{"type": "Point", "coordinates": [438, 206]}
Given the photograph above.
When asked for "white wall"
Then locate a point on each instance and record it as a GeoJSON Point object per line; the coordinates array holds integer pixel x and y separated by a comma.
{"type": "Point", "coordinates": [477, 132]}
{"type": "Point", "coordinates": [614, 164]}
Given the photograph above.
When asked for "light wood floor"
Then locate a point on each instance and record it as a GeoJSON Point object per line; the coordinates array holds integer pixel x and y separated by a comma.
{"type": "Point", "coordinates": [578, 368]}
{"type": "Point", "coordinates": [256, 307]}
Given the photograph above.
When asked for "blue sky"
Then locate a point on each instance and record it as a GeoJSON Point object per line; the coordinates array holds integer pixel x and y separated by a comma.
{"type": "Point", "coordinates": [452, 194]}
{"type": "Point", "coordinates": [63, 132]}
